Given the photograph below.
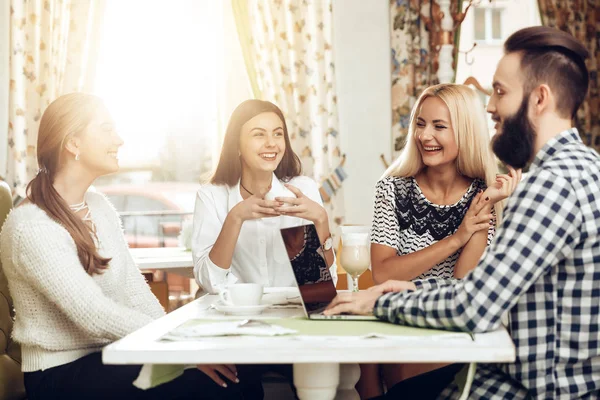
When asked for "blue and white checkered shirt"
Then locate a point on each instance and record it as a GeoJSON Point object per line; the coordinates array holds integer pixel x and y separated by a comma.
{"type": "Point", "coordinates": [543, 267]}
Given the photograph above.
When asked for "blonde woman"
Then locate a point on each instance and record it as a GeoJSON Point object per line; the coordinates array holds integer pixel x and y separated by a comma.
{"type": "Point", "coordinates": [423, 224]}
{"type": "Point", "coordinates": [437, 206]}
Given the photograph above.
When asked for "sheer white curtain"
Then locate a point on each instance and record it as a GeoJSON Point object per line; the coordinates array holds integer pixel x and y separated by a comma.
{"type": "Point", "coordinates": [290, 59]}
{"type": "Point", "coordinates": [233, 80]}
{"type": "Point", "coordinates": [49, 44]}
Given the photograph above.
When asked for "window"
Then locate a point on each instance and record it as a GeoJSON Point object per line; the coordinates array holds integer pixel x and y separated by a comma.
{"type": "Point", "coordinates": [117, 200]}
{"type": "Point", "coordinates": [170, 86]}
{"type": "Point", "coordinates": [150, 230]}
{"type": "Point", "coordinates": [154, 81]}
{"type": "Point", "coordinates": [142, 203]}
{"type": "Point", "coordinates": [142, 224]}
{"type": "Point", "coordinates": [488, 24]}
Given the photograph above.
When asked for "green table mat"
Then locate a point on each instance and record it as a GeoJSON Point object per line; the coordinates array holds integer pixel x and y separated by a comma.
{"type": "Point", "coordinates": [308, 327]}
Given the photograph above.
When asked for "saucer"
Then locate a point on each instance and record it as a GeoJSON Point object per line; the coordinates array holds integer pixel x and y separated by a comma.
{"type": "Point", "coordinates": [239, 310]}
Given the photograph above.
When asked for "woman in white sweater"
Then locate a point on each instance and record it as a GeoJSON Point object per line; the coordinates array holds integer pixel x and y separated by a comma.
{"type": "Point", "coordinates": [74, 283]}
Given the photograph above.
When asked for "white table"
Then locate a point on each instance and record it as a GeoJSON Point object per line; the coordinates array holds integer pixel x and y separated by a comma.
{"type": "Point", "coordinates": [175, 260]}
{"type": "Point", "coordinates": [323, 367]}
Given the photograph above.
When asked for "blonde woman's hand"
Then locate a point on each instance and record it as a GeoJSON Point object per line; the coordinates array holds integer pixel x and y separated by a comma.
{"type": "Point", "coordinates": [217, 372]}
{"type": "Point", "coordinates": [477, 218]}
{"type": "Point", "coordinates": [301, 206]}
{"type": "Point", "coordinates": [504, 186]}
{"type": "Point", "coordinates": [255, 207]}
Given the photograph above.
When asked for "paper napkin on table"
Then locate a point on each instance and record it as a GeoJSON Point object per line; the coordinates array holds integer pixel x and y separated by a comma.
{"type": "Point", "coordinates": [227, 328]}
{"type": "Point", "coordinates": [281, 300]}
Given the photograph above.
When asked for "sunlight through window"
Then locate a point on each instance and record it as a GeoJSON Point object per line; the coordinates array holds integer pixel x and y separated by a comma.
{"type": "Point", "coordinates": [156, 73]}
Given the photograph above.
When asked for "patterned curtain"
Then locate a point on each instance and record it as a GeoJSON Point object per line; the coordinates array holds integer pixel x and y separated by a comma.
{"type": "Point", "coordinates": [49, 56]}
{"type": "Point", "coordinates": [411, 63]}
{"type": "Point", "coordinates": [581, 19]}
{"type": "Point", "coordinates": [287, 46]}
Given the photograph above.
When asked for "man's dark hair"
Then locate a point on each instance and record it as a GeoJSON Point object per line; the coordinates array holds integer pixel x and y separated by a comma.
{"type": "Point", "coordinates": [555, 58]}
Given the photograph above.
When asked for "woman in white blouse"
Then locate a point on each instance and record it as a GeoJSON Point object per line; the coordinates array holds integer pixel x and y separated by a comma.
{"type": "Point", "coordinates": [256, 190]}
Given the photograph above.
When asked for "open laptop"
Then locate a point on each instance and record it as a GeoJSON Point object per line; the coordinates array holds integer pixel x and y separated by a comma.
{"type": "Point", "coordinates": [311, 272]}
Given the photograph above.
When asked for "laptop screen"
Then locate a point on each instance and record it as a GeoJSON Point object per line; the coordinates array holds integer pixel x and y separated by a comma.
{"type": "Point", "coordinates": [310, 268]}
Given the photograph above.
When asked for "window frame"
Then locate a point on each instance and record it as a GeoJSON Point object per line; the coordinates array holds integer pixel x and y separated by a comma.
{"type": "Point", "coordinates": [488, 24]}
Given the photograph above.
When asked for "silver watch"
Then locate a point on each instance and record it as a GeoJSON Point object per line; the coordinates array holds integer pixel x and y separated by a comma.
{"type": "Point", "coordinates": [328, 244]}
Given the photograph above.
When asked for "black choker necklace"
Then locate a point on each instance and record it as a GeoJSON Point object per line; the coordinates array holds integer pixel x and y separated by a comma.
{"type": "Point", "coordinates": [251, 194]}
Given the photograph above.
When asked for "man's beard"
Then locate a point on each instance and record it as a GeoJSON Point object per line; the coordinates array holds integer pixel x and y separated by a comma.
{"type": "Point", "coordinates": [514, 144]}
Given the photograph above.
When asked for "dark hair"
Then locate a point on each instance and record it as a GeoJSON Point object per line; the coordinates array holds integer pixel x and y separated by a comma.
{"type": "Point", "coordinates": [229, 168]}
{"type": "Point", "coordinates": [66, 116]}
{"type": "Point", "coordinates": [556, 58]}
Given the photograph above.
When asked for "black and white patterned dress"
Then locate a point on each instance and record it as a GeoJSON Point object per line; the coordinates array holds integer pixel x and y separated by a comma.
{"type": "Point", "coordinates": [407, 221]}
{"type": "Point", "coordinates": [309, 265]}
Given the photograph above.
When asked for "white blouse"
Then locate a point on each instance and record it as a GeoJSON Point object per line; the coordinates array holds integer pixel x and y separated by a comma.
{"type": "Point", "coordinates": [260, 255]}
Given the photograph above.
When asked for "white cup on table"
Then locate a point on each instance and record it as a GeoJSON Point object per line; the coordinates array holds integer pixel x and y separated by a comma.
{"type": "Point", "coordinates": [242, 294]}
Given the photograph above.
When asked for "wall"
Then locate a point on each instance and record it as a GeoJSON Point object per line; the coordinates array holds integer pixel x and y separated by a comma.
{"type": "Point", "coordinates": [362, 59]}
{"type": "Point", "coordinates": [517, 14]}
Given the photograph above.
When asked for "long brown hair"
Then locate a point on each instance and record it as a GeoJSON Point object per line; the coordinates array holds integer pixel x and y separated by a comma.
{"type": "Point", "coordinates": [66, 116]}
{"type": "Point", "coordinates": [229, 168]}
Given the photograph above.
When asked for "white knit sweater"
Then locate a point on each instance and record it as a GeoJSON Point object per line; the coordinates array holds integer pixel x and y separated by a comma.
{"type": "Point", "coordinates": [62, 313]}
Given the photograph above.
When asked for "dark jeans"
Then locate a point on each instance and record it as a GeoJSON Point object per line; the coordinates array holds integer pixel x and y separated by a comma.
{"type": "Point", "coordinates": [427, 386]}
{"type": "Point", "coordinates": [87, 378]}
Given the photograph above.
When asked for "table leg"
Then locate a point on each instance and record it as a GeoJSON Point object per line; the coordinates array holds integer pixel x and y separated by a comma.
{"type": "Point", "coordinates": [349, 376]}
{"type": "Point", "coordinates": [316, 381]}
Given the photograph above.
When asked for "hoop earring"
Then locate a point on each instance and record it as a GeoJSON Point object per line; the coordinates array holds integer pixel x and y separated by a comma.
{"type": "Point", "coordinates": [77, 157]}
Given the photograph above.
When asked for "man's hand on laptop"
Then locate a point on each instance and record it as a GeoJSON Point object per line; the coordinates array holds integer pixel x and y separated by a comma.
{"type": "Point", "coordinates": [393, 286]}
{"type": "Point", "coordinates": [362, 303]}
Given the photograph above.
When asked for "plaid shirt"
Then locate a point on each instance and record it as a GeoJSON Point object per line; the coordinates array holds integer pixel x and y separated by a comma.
{"type": "Point", "coordinates": [543, 266]}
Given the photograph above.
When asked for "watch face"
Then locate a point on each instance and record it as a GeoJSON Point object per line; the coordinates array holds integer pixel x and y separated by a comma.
{"type": "Point", "coordinates": [328, 243]}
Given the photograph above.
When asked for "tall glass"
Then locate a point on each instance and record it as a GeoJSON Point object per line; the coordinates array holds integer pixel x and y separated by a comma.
{"type": "Point", "coordinates": [355, 257]}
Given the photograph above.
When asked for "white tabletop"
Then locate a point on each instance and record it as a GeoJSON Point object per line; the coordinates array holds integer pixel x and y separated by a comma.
{"type": "Point", "coordinates": [177, 260]}
{"type": "Point", "coordinates": [143, 346]}
{"type": "Point", "coordinates": [162, 257]}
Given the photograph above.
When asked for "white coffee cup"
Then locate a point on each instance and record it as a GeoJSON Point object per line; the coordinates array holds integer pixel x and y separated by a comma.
{"type": "Point", "coordinates": [242, 294]}
{"type": "Point", "coordinates": [282, 192]}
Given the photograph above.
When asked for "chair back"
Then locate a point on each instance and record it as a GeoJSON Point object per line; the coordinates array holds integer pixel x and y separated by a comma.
{"type": "Point", "coordinates": [11, 377]}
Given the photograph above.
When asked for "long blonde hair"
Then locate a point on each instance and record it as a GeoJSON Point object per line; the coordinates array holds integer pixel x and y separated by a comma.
{"type": "Point", "coordinates": [475, 157]}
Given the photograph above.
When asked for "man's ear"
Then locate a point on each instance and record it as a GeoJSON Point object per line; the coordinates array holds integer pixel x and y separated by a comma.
{"type": "Point", "coordinates": [72, 145]}
{"type": "Point", "coordinates": [542, 99]}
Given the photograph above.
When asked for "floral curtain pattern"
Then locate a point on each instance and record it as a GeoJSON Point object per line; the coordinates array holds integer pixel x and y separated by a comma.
{"type": "Point", "coordinates": [582, 20]}
{"type": "Point", "coordinates": [49, 54]}
{"type": "Point", "coordinates": [289, 47]}
{"type": "Point", "coordinates": [411, 63]}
